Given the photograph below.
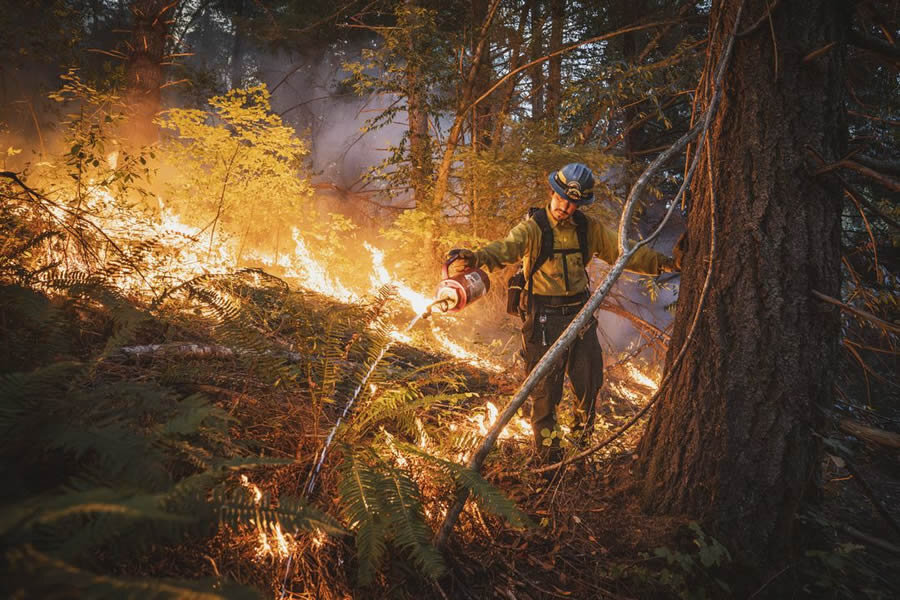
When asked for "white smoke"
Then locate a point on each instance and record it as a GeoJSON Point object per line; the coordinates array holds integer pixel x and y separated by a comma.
{"type": "Point", "coordinates": [331, 118]}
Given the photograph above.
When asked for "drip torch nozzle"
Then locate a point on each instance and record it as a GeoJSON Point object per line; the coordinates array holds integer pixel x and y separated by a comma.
{"type": "Point", "coordinates": [446, 301]}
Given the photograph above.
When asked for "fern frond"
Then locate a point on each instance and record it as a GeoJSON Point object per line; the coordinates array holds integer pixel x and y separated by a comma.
{"type": "Point", "coordinates": [404, 512]}
{"type": "Point", "coordinates": [239, 507]}
{"type": "Point", "coordinates": [488, 496]}
{"type": "Point", "coordinates": [191, 413]}
{"type": "Point", "coordinates": [40, 575]}
{"type": "Point", "coordinates": [21, 394]}
{"type": "Point", "coordinates": [47, 511]}
{"type": "Point", "coordinates": [10, 257]}
{"type": "Point", "coordinates": [400, 405]}
{"type": "Point", "coordinates": [358, 489]}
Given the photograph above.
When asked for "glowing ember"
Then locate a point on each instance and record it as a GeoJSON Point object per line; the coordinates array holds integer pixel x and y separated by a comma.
{"type": "Point", "coordinates": [318, 539]}
{"type": "Point", "coordinates": [283, 542]}
{"type": "Point", "coordinates": [253, 488]}
{"type": "Point", "coordinates": [423, 437]}
{"type": "Point", "coordinates": [517, 428]}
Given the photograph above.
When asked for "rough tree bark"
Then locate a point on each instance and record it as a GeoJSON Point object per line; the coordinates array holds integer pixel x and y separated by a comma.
{"type": "Point", "coordinates": [554, 74]}
{"type": "Point", "coordinates": [536, 72]}
{"type": "Point", "coordinates": [483, 113]}
{"type": "Point", "coordinates": [237, 45]}
{"type": "Point", "coordinates": [732, 441]}
{"type": "Point", "coordinates": [144, 68]}
{"type": "Point", "coordinates": [421, 164]}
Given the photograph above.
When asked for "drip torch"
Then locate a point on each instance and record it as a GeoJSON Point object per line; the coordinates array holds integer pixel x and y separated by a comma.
{"type": "Point", "coordinates": [455, 293]}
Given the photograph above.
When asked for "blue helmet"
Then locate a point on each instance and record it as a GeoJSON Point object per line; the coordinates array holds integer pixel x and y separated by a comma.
{"type": "Point", "coordinates": [575, 183]}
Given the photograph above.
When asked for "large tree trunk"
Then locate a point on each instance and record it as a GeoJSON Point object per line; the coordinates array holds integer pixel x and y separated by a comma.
{"type": "Point", "coordinates": [536, 72]}
{"type": "Point", "coordinates": [421, 164]}
{"type": "Point", "coordinates": [554, 74]}
{"type": "Point", "coordinates": [144, 69]}
{"type": "Point", "coordinates": [631, 11]}
{"type": "Point", "coordinates": [237, 45]}
{"type": "Point", "coordinates": [733, 438]}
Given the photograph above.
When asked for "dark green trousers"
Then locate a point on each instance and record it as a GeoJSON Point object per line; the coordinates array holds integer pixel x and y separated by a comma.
{"type": "Point", "coordinates": [583, 363]}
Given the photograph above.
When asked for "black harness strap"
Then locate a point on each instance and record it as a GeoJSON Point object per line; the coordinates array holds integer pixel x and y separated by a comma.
{"type": "Point", "coordinates": [581, 224]}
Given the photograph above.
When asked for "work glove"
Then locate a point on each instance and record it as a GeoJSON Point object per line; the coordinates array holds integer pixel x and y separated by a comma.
{"type": "Point", "coordinates": [459, 260]}
{"type": "Point", "coordinates": [667, 265]}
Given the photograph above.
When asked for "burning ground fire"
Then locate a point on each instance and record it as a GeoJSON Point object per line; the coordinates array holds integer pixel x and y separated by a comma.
{"type": "Point", "coordinates": [182, 252]}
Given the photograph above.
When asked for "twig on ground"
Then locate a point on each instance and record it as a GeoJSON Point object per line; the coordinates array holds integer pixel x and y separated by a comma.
{"type": "Point", "coordinates": [870, 539]}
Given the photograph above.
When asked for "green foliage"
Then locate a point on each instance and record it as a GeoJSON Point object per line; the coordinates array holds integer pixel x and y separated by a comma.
{"type": "Point", "coordinates": [237, 165]}
{"type": "Point", "coordinates": [841, 570]}
{"type": "Point", "coordinates": [50, 577]}
{"type": "Point", "coordinates": [99, 464]}
{"type": "Point", "coordinates": [136, 462]}
{"type": "Point", "coordinates": [239, 506]}
{"type": "Point", "coordinates": [384, 504]}
{"type": "Point", "coordinates": [97, 168]}
{"type": "Point", "coordinates": [687, 575]}
{"type": "Point", "coordinates": [488, 496]}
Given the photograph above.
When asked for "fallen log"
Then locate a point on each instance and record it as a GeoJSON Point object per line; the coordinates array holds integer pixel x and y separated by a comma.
{"type": "Point", "coordinates": [870, 434]}
{"type": "Point", "coordinates": [191, 350]}
{"type": "Point", "coordinates": [870, 539]}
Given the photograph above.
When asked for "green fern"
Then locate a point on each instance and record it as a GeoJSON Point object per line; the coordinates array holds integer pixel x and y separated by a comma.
{"type": "Point", "coordinates": [361, 505]}
{"type": "Point", "coordinates": [488, 496]}
{"type": "Point", "coordinates": [40, 575]}
{"type": "Point", "coordinates": [402, 502]}
{"type": "Point", "coordinates": [238, 507]}
{"type": "Point", "coordinates": [383, 504]}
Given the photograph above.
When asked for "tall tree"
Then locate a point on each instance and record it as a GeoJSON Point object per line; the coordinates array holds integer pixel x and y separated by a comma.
{"type": "Point", "coordinates": [537, 50]}
{"type": "Point", "coordinates": [146, 50]}
{"type": "Point", "coordinates": [421, 163]}
{"type": "Point", "coordinates": [554, 75]}
{"type": "Point", "coordinates": [237, 47]}
{"type": "Point", "coordinates": [733, 439]}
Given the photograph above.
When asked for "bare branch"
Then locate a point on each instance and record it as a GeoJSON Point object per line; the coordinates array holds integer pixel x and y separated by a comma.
{"type": "Point", "coordinates": [882, 166]}
{"type": "Point", "coordinates": [762, 19]}
{"type": "Point", "coordinates": [882, 324]}
{"type": "Point", "coordinates": [888, 439]}
{"type": "Point", "coordinates": [880, 178]}
{"type": "Point", "coordinates": [867, 490]}
{"type": "Point", "coordinates": [875, 45]}
{"type": "Point", "coordinates": [856, 195]}
{"type": "Point", "coordinates": [565, 50]}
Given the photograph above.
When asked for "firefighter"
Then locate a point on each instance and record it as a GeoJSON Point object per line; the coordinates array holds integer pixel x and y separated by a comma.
{"type": "Point", "coordinates": [554, 245]}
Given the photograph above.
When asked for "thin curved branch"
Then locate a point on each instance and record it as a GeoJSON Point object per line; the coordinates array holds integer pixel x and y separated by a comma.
{"type": "Point", "coordinates": [687, 340]}
{"type": "Point", "coordinates": [858, 312]}
{"type": "Point", "coordinates": [40, 199]}
{"type": "Point", "coordinates": [873, 44]}
{"type": "Point", "coordinates": [582, 319]}
{"type": "Point", "coordinates": [888, 182]}
{"type": "Point", "coordinates": [566, 50]}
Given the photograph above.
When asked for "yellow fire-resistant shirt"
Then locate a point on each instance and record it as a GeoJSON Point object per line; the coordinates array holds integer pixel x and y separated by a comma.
{"type": "Point", "coordinates": [524, 243]}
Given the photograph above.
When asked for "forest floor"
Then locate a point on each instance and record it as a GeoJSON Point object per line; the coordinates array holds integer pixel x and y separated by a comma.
{"type": "Point", "coordinates": [590, 538]}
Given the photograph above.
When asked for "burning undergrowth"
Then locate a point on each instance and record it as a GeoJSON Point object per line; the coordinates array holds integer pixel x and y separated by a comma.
{"type": "Point", "coordinates": [305, 437]}
{"type": "Point", "coordinates": [174, 413]}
